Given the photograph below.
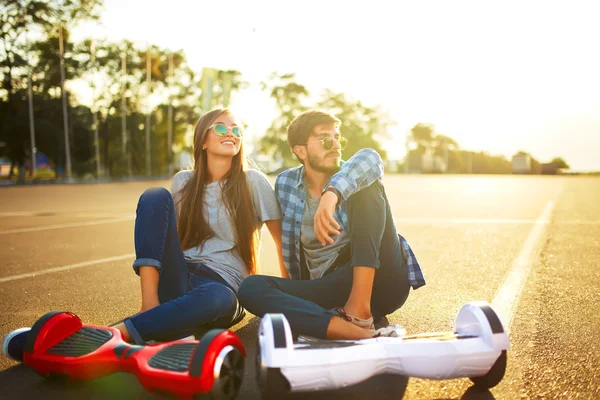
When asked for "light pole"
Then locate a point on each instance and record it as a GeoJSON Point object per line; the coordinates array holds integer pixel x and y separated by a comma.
{"type": "Point", "coordinates": [64, 102]}
{"type": "Point", "coordinates": [31, 126]}
{"type": "Point", "coordinates": [124, 111]}
{"type": "Point", "coordinates": [407, 157]}
{"type": "Point", "coordinates": [170, 121]}
{"type": "Point", "coordinates": [95, 117]}
{"type": "Point", "coordinates": [148, 83]}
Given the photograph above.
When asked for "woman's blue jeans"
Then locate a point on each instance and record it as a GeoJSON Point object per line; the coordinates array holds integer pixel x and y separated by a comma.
{"type": "Point", "coordinates": [192, 296]}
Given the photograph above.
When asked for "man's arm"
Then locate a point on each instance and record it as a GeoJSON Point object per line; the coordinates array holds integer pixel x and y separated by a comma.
{"type": "Point", "coordinates": [359, 172]}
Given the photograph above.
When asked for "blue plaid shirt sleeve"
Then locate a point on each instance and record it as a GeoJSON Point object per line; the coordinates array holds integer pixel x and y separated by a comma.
{"type": "Point", "coordinates": [359, 172]}
{"type": "Point", "coordinates": [415, 274]}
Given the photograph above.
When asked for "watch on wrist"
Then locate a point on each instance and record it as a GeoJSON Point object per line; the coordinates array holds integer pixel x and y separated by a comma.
{"type": "Point", "coordinates": [335, 191]}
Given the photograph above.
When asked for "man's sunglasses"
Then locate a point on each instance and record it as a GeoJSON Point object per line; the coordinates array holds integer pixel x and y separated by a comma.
{"type": "Point", "coordinates": [221, 130]}
{"type": "Point", "coordinates": [327, 142]}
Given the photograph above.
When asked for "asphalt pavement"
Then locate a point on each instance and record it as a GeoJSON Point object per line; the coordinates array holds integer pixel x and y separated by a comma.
{"type": "Point", "coordinates": [529, 245]}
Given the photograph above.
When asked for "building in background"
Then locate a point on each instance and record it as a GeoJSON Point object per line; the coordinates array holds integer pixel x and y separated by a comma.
{"type": "Point", "coordinates": [521, 163]}
{"type": "Point", "coordinates": [427, 163]}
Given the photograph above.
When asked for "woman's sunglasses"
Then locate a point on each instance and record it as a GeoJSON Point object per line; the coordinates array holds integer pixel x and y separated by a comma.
{"type": "Point", "coordinates": [221, 130]}
{"type": "Point", "coordinates": [327, 142]}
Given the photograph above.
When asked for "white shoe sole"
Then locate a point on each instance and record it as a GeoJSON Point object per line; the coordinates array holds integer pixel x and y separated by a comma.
{"type": "Point", "coordinates": [7, 340]}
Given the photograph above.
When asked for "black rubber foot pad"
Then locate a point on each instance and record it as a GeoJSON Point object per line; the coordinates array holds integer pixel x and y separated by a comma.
{"type": "Point", "coordinates": [85, 341]}
{"type": "Point", "coordinates": [173, 358]}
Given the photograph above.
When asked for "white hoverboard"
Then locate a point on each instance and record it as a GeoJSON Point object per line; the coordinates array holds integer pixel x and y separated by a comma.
{"type": "Point", "coordinates": [476, 350]}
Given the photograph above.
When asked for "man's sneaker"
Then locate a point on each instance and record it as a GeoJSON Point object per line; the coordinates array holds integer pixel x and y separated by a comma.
{"type": "Point", "coordinates": [395, 330]}
{"type": "Point", "coordinates": [362, 323]}
{"type": "Point", "coordinates": [13, 344]}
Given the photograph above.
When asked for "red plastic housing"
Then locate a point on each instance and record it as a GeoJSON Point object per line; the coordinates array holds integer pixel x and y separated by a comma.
{"type": "Point", "coordinates": [116, 355]}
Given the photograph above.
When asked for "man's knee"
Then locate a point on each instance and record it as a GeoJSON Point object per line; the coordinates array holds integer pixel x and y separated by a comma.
{"type": "Point", "coordinates": [251, 289]}
{"type": "Point", "coordinates": [367, 221]}
{"type": "Point", "coordinates": [367, 208]}
{"type": "Point", "coordinates": [373, 194]}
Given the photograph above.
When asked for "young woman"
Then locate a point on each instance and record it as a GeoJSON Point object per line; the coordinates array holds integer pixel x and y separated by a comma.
{"type": "Point", "coordinates": [195, 245]}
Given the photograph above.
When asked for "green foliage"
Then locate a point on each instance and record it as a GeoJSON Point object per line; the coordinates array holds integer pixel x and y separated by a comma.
{"type": "Point", "coordinates": [429, 143]}
{"type": "Point", "coordinates": [289, 97]}
{"type": "Point", "coordinates": [178, 85]}
{"type": "Point", "coordinates": [19, 57]}
{"type": "Point", "coordinates": [422, 135]}
{"type": "Point", "coordinates": [363, 126]}
{"type": "Point", "coordinates": [559, 162]}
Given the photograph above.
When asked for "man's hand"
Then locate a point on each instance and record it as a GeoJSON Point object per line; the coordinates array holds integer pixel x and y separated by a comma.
{"type": "Point", "coordinates": [325, 225]}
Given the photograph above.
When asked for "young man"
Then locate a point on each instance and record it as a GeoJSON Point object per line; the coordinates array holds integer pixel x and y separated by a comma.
{"type": "Point", "coordinates": [348, 266]}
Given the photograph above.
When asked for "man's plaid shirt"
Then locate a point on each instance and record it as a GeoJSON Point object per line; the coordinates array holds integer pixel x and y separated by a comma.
{"type": "Point", "coordinates": [359, 172]}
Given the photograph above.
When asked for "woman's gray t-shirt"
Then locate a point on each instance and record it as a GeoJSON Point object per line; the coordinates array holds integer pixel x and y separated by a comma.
{"type": "Point", "coordinates": [219, 252]}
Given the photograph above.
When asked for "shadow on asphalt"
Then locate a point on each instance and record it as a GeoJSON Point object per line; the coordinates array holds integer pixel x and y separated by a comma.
{"type": "Point", "coordinates": [474, 393]}
{"type": "Point", "coordinates": [20, 382]}
{"type": "Point", "coordinates": [382, 387]}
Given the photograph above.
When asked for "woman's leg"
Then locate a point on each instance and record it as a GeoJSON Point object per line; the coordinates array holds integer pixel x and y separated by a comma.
{"type": "Point", "coordinates": [159, 259]}
{"type": "Point", "coordinates": [209, 304]}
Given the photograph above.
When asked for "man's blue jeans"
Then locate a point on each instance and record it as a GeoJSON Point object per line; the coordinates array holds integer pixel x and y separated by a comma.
{"type": "Point", "coordinates": [192, 296]}
{"type": "Point", "coordinates": [307, 304]}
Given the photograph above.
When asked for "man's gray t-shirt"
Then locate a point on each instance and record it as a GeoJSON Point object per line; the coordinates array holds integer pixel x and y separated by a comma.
{"type": "Point", "coordinates": [219, 252]}
{"type": "Point", "coordinates": [318, 258]}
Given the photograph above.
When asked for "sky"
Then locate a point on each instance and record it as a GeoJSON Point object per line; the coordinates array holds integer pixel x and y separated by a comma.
{"type": "Point", "coordinates": [497, 77]}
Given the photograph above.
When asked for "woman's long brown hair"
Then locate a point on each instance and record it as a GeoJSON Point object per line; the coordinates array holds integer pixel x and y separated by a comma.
{"type": "Point", "coordinates": [192, 228]}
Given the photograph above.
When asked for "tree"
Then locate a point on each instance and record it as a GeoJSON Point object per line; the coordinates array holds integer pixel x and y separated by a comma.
{"type": "Point", "coordinates": [17, 17]}
{"type": "Point", "coordinates": [422, 135]}
{"type": "Point", "coordinates": [559, 162]}
{"type": "Point", "coordinates": [363, 126]}
{"type": "Point", "coordinates": [431, 144]}
{"type": "Point", "coordinates": [228, 81]}
{"type": "Point", "coordinates": [289, 97]}
{"type": "Point", "coordinates": [181, 89]}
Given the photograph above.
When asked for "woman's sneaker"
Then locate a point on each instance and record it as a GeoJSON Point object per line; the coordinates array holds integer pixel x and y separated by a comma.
{"type": "Point", "coordinates": [13, 344]}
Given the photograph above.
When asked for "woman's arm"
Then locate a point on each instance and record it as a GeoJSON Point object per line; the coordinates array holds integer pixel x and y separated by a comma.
{"type": "Point", "coordinates": [274, 226]}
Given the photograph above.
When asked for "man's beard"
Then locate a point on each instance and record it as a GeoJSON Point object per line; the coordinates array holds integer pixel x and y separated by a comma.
{"type": "Point", "coordinates": [320, 167]}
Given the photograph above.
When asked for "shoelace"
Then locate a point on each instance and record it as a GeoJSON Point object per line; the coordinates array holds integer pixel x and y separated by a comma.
{"type": "Point", "coordinates": [342, 314]}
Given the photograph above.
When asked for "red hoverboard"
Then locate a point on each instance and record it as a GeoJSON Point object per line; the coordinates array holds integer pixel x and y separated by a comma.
{"type": "Point", "coordinates": [60, 346]}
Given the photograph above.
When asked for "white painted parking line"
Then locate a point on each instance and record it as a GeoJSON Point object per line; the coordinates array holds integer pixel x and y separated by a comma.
{"type": "Point", "coordinates": [492, 221]}
{"type": "Point", "coordinates": [66, 267]}
{"type": "Point", "coordinates": [64, 214]}
{"type": "Point", "coordinates": [507, 298]}
{"type": "Point", "coordinates": [69, 225]}
{"type": "Point", "coordinates": [18, 214]}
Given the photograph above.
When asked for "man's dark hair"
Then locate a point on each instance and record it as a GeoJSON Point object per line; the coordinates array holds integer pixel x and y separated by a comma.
{"type": "Point", "coordinates": [300, 128]}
